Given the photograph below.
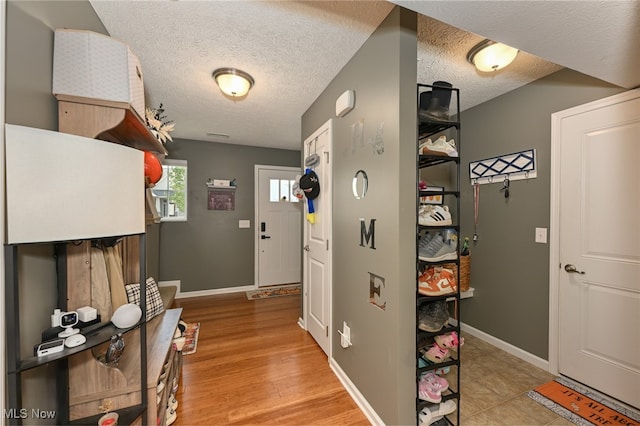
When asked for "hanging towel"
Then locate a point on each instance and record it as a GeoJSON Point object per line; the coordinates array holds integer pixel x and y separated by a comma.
{"type": "Point", "coordinates": [100, 292]}
{"type": "Point", "coordinates": [113, 260]}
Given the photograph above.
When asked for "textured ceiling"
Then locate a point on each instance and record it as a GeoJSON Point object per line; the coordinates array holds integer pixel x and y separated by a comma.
{"type": "Point", "coordinates": [597, 38]}
{"type": "Point", "coordinates": [293, 49]}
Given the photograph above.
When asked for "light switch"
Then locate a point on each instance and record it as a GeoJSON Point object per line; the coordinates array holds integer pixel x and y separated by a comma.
{"type": "Point", "coordinates": [541, 235]}
{"type": "Point", "coordinates": [244, 224]}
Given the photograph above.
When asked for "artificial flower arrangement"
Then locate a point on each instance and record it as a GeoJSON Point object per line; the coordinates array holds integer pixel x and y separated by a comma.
{"type": "Point", "coordinates": [156, 122]}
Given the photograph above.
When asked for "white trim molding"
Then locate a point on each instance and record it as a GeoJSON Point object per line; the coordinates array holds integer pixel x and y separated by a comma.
{"type": "Point", "coordinates": [355, 394]}
{"type": "Point", "coordinates": [214, 291]}
{"type": "Point", "coordinates": [507, 347]}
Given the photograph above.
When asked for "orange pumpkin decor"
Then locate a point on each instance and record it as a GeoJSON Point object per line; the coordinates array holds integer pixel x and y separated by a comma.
{"type": "Point", "coordinates": [152, 167]}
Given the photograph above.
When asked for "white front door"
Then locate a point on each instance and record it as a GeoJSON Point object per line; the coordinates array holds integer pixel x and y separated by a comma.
{"type": "Point", "coordinates": [599, 245]}
{"type": "Point", "coordinates": [317, 255]}
{"type": "Point", "coordinates": [278, 226]}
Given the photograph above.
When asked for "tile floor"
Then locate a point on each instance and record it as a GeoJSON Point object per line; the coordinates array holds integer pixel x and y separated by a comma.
{"type": "Point", "coordinates": [494, 385]}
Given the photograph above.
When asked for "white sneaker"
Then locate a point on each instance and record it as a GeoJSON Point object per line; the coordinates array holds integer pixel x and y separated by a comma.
{"type": "Point", "coordinates": [438, 216]}
{"type": "Point", "coordinates": [432, 414]}
{"type": "Point", "coordinates": [441, 146]}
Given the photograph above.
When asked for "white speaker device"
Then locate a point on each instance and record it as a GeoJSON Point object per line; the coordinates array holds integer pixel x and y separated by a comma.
{"type": "Point", "coordinates": [345, 103]}
{"type": "Point", "coordinates": [126, 315]}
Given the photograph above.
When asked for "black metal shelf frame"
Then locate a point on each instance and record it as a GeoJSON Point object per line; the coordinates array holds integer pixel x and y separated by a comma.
{"type": "Point", "coordinates": [425, 129]}
{"type": "Point", "coordinates": [16, 364]}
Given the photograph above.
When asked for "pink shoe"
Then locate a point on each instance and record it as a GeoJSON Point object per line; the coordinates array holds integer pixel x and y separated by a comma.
{"type": "Point", "coordinates": [427, 392]}
{"type": "Point", "coordinates": [436, 354]}
{"type": "Point", "coordinates": [449, 341]}
{"type": "Point", "coordinates": [436, 382]}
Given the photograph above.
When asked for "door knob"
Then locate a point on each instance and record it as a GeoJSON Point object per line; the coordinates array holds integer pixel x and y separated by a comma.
{"type": "Point", "coordinates": [307, 248]}
{"type": "Point", "coordinates": [572, 269]}
{"type": "Point", "coordinates": [265, 237]}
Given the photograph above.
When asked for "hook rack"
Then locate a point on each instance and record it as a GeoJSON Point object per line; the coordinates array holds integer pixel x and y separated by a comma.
{"type": "Point", "coordinates": [517, 166]}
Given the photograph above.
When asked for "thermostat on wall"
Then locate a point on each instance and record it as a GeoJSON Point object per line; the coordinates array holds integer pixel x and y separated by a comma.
{"type": "Point", "coordinates": [345, 103]}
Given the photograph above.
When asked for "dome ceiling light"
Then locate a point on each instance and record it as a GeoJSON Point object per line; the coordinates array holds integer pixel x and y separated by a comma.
{"type": "Point", "coordinates": [233, 82]}
{"type": "Point", "coordinates": [490, 56]}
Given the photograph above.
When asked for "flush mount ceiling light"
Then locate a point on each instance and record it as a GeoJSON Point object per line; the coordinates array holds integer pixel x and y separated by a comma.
{"type": "Point", "coordinates": [233, 82]}
{"type": "Point", "coordinates": [489, 56]}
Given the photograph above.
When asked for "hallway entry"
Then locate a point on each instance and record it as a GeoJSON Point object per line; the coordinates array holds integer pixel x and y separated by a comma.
{"type": "Point", "coordinates": [278, 236]}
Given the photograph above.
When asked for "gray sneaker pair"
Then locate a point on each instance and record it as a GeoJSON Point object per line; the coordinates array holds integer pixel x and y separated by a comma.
{"type": "Point", "coordinates": [435, 249]}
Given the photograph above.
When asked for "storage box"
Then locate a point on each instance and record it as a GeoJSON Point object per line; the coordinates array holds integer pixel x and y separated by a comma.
{"type": "Point", "coordinates": [95, 66]}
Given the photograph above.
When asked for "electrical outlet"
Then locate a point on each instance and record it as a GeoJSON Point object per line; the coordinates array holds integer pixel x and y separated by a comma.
{"type": "Point", "coordinates": [345, 335]}
{"type": "Point", "coordinates": [541, 235]}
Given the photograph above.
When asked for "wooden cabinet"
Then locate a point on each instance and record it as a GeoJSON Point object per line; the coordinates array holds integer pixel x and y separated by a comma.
{"type": "Point", "coordinates": [164, 366]}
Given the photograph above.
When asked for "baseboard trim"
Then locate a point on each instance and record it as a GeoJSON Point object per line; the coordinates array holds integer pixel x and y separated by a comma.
{"type": "Point", "coordinates": [175, 283]}
{"type": "Point", "coordinates": [214, 291]}
{"type": "Point", "coordinates": [507, 347]}
{"type": "Point", "coordinates": [301, 323]}
{"type": "Point", "coordinates": [355, 394]}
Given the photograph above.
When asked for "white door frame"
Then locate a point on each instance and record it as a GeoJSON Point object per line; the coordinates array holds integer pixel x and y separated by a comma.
{"type": "Point", "coordinates": [554, 234]}
{"type": "Point", "coordinates": [328, 200]}
{"type": "Point", "coordinates": [256, 215]}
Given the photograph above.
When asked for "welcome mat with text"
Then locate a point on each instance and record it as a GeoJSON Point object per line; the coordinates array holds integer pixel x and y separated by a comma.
{"type": "Point", "coordinates": [582, 406]}
{"type": "Point", "coordinates": [283, 290]}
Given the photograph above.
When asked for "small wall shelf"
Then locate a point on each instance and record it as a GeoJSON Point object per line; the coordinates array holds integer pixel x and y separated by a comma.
{"type": "Point", "coordinates": [110, 121]}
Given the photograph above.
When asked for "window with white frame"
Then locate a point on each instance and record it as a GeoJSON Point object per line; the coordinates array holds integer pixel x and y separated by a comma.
{"type": "Point", "coordinates": [170, 193]}
{"type": "Point", "coordinates": [281, 190]}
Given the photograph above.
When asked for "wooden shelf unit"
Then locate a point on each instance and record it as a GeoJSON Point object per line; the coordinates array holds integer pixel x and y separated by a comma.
{"type": "Point", "coordinates": [90, 382]}
{"type": "Point", "coordinates": [110, 121]}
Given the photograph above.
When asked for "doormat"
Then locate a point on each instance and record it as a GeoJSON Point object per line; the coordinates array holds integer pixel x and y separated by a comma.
{"type": "Point", "coordinates": [284, 290]}
{"type": "Point", "coordinates": [581, 405]}
{"type": "Point", "coordinates": [191, 338]}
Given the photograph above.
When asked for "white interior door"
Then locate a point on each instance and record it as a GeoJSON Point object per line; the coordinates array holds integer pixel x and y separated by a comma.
{"type": "Point", "coordinates": [278, 227]}
{"type": "Point", "coordinates": [599, 235]}
{"type": "Point", "coordinates": [317, 254]}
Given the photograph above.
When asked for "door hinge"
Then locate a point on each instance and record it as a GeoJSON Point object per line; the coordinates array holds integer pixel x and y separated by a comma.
{"type": "Point", "coordinates": [327, 330]}
{"type": "Point", "coordinates": [327, 244]}
{"type": "Point", "coordinates": [326, 155]}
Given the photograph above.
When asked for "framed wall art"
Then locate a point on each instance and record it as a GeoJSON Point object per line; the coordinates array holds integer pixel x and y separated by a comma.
{"type": "Point", "coordinates": [221, 200]}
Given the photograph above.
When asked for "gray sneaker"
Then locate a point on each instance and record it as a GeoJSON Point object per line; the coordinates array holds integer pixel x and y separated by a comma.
{"type": "Point", "coordinates": [437, 250]}
{"type": "Point", "coordinates": [424, 241]}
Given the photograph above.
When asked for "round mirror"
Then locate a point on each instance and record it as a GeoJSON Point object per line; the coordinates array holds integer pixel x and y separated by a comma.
{"type": "Point", "coordinates": [360, 184]}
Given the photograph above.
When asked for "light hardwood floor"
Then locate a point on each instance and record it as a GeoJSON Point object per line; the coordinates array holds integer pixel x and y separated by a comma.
{"type": "Point", "coordinates": [255, 365]}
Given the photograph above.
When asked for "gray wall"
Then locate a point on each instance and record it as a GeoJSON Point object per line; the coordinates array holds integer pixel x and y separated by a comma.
{"type": "Point", "coordinates": [381, 362]}
{"type": "Point", "coordinates": [209, 251]}
{"type": "Point", "coordinates": [509, 271]}
{"type": "Point", "coordinates": [29, 60]}
{"type": "Point", "coordinates": [29, 102]}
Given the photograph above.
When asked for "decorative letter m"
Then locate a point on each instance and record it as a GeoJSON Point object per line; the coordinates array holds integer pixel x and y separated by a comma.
{"type": "Point", "coordinates": [368, 236]}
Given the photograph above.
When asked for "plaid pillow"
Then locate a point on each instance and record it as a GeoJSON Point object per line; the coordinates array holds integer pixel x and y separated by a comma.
{"type": "Point", "coordinates": [154, 301]}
